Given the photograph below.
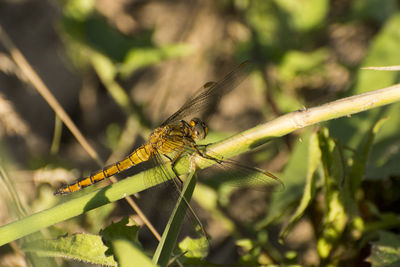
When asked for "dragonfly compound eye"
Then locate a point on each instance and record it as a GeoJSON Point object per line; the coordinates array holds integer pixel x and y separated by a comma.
{"type": "Point", "coordinates": [199, 134]}
{"type": "Point", "coordinates": [199, 129]}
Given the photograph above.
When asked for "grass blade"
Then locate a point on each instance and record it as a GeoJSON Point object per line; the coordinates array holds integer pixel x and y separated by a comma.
{"type": "Point", "coordinates": [171, 232]}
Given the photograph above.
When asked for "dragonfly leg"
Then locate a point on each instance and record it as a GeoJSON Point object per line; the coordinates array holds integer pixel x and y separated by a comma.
{"type": "Point", "coordinates": [173, 162]}
{"type": "Point", "coordinates": [204, 145]}
{"type": "Point", "coordinates": [204, 155]}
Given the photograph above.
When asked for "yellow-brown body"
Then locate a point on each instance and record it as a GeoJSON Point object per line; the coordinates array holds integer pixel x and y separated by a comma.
{"type": "Point", "coordinates": [164, 140]}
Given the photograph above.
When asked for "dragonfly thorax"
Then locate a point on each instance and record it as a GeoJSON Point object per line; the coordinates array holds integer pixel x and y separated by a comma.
{"type": "Point", "coordinates": [199, 129]}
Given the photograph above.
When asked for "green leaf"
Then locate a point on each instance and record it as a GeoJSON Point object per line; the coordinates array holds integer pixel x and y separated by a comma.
{"type": "Point", "coordinates": [129, 255]}
{"type": "Point", "coordinates": [386, 251]}
{"type": "Point", "coordinates": [122, 241]}
{"type": "Point", "coordinates": [121, 230]}
{"type": "Point", "coordinates": [314, 160]}
{"type": "Point", "coordinates": [80, 247]}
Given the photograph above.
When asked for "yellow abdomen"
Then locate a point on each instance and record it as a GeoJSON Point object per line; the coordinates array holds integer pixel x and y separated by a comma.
{"type": "Point", "coordinates": [141, 154]}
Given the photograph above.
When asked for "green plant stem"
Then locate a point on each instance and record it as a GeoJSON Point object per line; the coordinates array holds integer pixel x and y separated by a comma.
{"type": "Point", "coordinates": [227, 148]}
{"type": "Point", "coordinates": [71, 208]}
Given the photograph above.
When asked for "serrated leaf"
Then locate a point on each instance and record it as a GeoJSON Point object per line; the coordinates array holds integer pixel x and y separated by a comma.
{"type": "Point", "coordinates": [386, 251]}
{"type": "Point", "coordinates": [80, 247]}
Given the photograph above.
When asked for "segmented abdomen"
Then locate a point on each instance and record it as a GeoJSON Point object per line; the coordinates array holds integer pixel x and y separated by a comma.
{"type": "Point", "coordinates": [141, 154]}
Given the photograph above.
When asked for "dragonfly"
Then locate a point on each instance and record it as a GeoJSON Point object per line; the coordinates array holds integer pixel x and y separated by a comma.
{"type": "Point", "coordinates": [177, 136]}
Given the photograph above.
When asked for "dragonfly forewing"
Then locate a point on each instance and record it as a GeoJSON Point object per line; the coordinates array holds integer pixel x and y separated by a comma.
{"type": "Point", "coordinates": [209, 94]}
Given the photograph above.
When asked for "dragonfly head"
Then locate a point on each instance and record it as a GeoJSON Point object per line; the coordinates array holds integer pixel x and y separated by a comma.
{"type": "Point", "coordinates": [199, 129]}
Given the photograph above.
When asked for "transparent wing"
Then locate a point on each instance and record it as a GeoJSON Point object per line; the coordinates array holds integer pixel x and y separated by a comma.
{"type": "Point", "coordinates": [238, 174]}
{"type": "Point", "coordinates": [228, 171]}
{"type": "Point", "coordinates": [235, 174]}
{"type": "Point", "coordinates": [162, 172]}
{"type": "Point", "coordinates": [210, 93]}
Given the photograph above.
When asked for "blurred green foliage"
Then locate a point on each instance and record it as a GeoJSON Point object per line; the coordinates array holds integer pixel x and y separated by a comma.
{"type": "Point", "coordinates": [342, 178]}
{"type": "Point", "coordinates": [92, 32]}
